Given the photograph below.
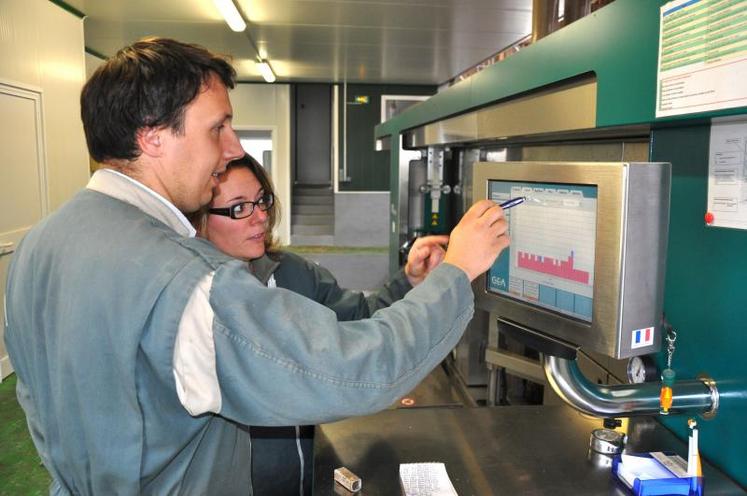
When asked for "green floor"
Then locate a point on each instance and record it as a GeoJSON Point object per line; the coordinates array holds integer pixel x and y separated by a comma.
{"type": "Point", "coordinates": [21, 472]}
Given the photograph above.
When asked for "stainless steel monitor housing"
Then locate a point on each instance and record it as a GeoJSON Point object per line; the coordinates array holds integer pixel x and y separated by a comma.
{"type": "Point", "coordinates": [632, 223]}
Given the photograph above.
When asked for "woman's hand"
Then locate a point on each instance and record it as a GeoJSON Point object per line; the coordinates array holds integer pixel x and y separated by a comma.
{"type": "Point", "coordinates": [425, 255]}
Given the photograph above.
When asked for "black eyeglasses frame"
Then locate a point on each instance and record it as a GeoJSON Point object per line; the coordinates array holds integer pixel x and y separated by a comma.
{"type": "Point", "coordinates": [264, 203]}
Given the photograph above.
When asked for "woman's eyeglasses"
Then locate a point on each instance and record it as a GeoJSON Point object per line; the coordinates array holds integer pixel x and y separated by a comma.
{"type": "Point", "coordinates": [245, 209]}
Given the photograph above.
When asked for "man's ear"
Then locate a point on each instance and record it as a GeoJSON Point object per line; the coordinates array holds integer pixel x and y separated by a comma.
{"type": "Point", "coordinates": [150, 141]}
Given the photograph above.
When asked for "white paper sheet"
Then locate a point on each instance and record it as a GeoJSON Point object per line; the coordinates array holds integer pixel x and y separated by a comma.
{"type": "Point", "coordinates": [425, 479]}
{"type": "Point", "coordinates": [641, 467]}
{"type": "Point", "coordinates": [727, 174]}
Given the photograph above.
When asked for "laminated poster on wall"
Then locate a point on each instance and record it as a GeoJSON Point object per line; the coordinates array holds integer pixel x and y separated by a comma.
{"type": "Point", "coordinates": [727, 174]}
{"type": "Point", "coordinates": [702, 57]}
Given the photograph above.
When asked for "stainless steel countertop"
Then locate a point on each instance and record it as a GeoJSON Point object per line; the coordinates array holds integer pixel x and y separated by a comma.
{"type": "Point", "coordinates": [515, 450]}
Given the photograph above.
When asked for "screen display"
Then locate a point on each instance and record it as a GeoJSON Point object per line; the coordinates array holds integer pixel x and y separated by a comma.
{"type": "Point", "coordinates": [550, 262]}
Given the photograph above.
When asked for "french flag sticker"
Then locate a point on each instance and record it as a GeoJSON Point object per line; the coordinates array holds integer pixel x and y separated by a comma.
{"type": "Point", "coordinates": [642, 337]}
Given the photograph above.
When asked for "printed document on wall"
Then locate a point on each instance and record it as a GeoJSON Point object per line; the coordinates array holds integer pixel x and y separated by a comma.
{"type": "Point", "coordinates": [702, 56]}
{"type": "Point", "coordinates": [727, 174]}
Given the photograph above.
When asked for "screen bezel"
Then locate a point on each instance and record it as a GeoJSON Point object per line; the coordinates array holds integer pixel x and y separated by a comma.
{"type": "Point", "coordinates": [610, 180]}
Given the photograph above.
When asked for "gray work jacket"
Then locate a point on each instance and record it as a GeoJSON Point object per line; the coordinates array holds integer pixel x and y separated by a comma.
{"type": "Point", "coordinates": [95, 295]}
{"type": "Point", "coordinates": [282, 457]}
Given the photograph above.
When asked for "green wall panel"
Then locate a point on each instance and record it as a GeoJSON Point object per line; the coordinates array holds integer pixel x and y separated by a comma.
{"type": "Point", "coordinates": [368, 169]}
{"type": "Point", "coordinates": [706, 298]}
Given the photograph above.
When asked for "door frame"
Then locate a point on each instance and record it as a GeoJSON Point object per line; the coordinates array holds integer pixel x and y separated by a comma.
{"type": "Point", "coordinates": [10, 239]}
{"type": "Point", "coordinates": [273, 130]}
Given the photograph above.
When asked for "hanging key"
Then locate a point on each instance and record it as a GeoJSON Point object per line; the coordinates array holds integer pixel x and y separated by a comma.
{"type": "Point", "coordinates": [668, 375]}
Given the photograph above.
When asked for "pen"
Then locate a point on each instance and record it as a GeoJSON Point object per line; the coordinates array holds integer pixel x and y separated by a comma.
{"type": "Point", "coordinates": [694, 468]}
{"type": "Point", "coordinates": [513, 202]}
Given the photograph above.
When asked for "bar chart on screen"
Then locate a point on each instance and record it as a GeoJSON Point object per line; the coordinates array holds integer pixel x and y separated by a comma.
{"type": "Point", "coordinates": [560, 268]}
{"type": "Point", "coordinates": [553, 241]}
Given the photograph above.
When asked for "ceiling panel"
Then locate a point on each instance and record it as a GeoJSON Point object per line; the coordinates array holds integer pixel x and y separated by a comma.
{"type": "Point", "coordinates": [473, 15]}
{"type": "Point", "coordinates": [149, 10]}
{"type": "Point", "coordinates": [411, 41]}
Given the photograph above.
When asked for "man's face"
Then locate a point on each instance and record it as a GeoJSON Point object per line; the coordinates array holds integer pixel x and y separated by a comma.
{"type": "Point", "coordinates": [191, 161]}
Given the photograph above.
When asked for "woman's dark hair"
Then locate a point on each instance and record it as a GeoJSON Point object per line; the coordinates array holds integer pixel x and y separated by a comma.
{"type": "Point", "coordinates": [148, 84]}
{"type": "Point", "coordinates": [199, 218]}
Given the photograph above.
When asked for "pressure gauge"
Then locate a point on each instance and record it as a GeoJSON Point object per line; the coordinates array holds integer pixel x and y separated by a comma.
{"type": "Point", "coordinates": [606, 441]}
{"type": "Point", "coordinates": [604, 444]}
{"type": "Point", "coordinates": [642, 369]}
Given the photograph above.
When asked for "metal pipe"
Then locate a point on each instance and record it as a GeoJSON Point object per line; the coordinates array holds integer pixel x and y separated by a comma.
{"type": "Point", "coordinates": [543, 15]}
{"type": "Point", "coordinates": [344, 174]}
{"type": "Point", "coordinates": [628, 400]}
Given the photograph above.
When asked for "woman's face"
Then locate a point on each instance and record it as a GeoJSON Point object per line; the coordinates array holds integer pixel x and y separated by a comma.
{"type": "Point", "coordinates": [240, 238]}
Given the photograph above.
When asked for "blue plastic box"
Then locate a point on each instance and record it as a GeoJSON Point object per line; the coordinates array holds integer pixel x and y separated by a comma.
{"type": "Point", "coordinates": [686, 486]}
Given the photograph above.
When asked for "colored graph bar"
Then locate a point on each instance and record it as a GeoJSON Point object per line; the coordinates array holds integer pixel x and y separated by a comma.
{"type": "Point", "coordinates": [558, 268]}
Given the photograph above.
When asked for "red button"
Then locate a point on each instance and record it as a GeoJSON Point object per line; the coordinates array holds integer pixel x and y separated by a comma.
{"type": "Point", "coordinates": [709, 218]}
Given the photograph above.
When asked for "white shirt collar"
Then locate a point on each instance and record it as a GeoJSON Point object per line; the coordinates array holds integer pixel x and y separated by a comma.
{"type": "Point", "coordinates": [127, 189]}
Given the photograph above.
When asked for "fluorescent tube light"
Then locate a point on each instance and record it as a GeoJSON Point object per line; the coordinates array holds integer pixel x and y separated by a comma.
{"type": "Point", "coordinates": [266, 71]}
{"type": "Point", "coordinates": [231, 14]}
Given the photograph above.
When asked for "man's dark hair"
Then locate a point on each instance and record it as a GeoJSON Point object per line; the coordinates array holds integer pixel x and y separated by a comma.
{"type": "Point", "coordinates": [147, 84]}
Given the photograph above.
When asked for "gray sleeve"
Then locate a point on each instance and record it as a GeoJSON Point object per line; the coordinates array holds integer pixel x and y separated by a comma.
{"type": "Point", "coordinates": [347, 304]}
{"type": "Point", "coordinates": [395, 289]}
{"type": "Point", "coordinates": [283, 359]}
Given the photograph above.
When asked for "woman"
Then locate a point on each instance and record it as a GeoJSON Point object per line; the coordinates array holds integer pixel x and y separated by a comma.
{"type": "Point", "coordinates": [240, 221]}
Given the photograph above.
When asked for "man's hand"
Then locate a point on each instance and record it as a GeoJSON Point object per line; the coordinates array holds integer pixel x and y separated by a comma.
{"type": "Point", "coordinates": [424, 256]}
{"type": "Point", "coordinates": [478, 239]}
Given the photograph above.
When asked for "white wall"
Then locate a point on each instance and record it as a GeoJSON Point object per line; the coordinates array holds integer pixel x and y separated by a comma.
{"type": "Point", "coordinates": [41, 47]}
{"type": "Point", "coordinates": [92, 63]}
{"type": "Point", "coordinates": [267, 106]}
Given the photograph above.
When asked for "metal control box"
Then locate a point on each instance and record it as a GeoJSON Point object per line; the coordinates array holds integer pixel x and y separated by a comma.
{"type": "Point", "coordinates": [588, 248]}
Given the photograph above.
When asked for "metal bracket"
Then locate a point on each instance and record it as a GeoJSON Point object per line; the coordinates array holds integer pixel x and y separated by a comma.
{"type": "Point", "coordinates": [711, 385]}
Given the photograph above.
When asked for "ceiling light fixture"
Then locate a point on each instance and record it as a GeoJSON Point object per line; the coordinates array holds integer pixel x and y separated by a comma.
{"type": "Point", "coordinates": [231, 14]}
{"type": "Point", "coordinates": [264, 68]}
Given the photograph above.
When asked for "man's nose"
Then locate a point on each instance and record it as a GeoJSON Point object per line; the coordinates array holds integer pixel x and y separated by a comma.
{"type": "Point", "coordinates": [232, 146]}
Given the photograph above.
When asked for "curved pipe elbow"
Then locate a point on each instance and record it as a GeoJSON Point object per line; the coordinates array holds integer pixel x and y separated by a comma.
{"type": "Point", "coordinates": [627, 400]}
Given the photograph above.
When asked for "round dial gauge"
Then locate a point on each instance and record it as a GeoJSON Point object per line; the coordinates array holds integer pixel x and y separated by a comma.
{"type": "Point", "coordinates": [641, 369]}
{"type": "Point", "coordinates": [606, 441]}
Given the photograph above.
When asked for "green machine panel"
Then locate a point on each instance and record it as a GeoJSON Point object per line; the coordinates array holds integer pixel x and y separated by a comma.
{"type": "Point", "coordinates": [705, 297]}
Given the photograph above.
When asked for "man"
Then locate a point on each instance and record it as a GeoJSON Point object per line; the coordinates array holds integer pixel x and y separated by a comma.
{"type": "Point", "coordinates": [141, 351]}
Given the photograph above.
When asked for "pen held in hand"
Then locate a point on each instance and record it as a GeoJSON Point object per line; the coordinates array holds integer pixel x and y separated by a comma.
{"type": "Point", "coordinates": [513, 202]}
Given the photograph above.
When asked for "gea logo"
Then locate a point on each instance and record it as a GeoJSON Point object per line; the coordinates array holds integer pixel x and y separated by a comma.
{"type": "Point", "coordinates": [497, 281]}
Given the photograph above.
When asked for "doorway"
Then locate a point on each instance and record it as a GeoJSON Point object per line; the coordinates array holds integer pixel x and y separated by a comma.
{"type": "Point", "coordinates": [23, 178]}
{"type": "Point", "coordinates": [258, 144]}
{"type": "Point", "coordinates": [312, 131]}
